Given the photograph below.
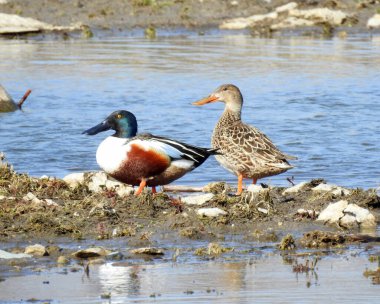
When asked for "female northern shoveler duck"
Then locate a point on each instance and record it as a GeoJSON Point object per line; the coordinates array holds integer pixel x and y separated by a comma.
{"type": "Point", "coordinates": [244, 150]}
{"type": "Point", "coordinates": [144, 159]}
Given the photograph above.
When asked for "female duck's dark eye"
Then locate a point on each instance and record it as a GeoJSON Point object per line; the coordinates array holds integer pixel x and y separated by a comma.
{"type": "Point", "coordinates": [225, 89]}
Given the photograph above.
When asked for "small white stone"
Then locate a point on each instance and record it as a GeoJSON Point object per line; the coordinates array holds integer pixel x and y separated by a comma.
{"type": "Point", "coordinates": [241, 23]}
{"type": "Point", "coordinates": [74, 179]}
{"type": "Point", "coordinates": [2, 197]}
{"type": "Point", "coordinates": [334, 189]}
{"type": "Point", "coordinates": [374, 21]}
{"type": "Point", "coordinates": [100, 182]}
{"type": "Point", "coordinates": [10, 23]}
{"type": "Point", "coordinates": [286, 7]}
{"type": "Point", "coordinates": [320, 15]}
{"type": "Point", "coordinates": [32, 198]}
{"type": "Point", "coordinates": [333, 212]}
{"type": "Point", "coordinates": [262, 210]}
{"type": "Point", "coordinates": [197, 199]}
{"type": "Point", "coordinates": [211, 212]}
{"type": "Point", "coordinates": [50, 202]}
{"type": "Point", "coordinates": [339, 191]}
{"type": "Point", "coordinates": [295, 188]}
{"type": "Point", "coordinates": [234, 3]}
{"type": "Point", "coordinates": [124, 190]}
{"type": "Point", "coordinates": [256, 188]}
{"type": "Point", "coordinates": [324, 188]}
{"type": "Point", "coordinates": [36, 250]}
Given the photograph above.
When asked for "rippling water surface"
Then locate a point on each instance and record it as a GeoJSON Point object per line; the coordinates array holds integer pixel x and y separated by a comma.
{"type": "Point", "coordinates": [267, 279]}
{"type": "Point", "coordinates": [316, 99]}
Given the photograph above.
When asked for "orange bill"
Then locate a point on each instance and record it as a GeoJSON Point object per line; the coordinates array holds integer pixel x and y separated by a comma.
{"type": "Point", "coordinates": [208, 99]}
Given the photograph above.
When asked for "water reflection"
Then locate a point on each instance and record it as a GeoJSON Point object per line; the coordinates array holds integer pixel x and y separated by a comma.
{"type": "Point", "coordinates": [267, 280]}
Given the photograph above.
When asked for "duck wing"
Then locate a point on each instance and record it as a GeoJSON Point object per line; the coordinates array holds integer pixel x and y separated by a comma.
{"type": "Point", "coordinates": [177, 150]}
{"type": "Point", "coordinates": [249, 145]}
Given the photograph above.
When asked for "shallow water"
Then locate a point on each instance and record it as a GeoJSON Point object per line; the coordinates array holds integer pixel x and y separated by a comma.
{"type": "Point", "coordinates": [316, 99]}
{"type": "Point", "coordinates": [263, 279]}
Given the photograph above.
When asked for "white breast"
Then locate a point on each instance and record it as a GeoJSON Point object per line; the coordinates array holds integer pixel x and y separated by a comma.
{"type": "Point", "coordinates": [111, 153]}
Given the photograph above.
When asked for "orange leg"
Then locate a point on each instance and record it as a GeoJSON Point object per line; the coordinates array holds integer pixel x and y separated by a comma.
{"type": "Point", "coordinates": [254, 181]}
{"type": "Point", "coordinates": [141, 187]}
{"type": "Point", "coordinates": [154, 191]}
{"type": "Point", "coordinates": [240, 184]}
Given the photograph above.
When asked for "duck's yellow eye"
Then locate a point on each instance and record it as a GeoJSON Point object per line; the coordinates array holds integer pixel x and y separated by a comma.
{"type": "Point", "coordinates": [118, 116]}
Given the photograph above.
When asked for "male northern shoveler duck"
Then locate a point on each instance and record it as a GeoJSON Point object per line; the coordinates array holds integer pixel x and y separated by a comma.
{"type": "Point", "coordinates": [144, 159]}
{"type": "Point", "coordinates": [244, 150]}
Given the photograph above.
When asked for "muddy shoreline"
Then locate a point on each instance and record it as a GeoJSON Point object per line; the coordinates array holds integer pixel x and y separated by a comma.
{"type": "Point", "coordinates": [101, 18]}
{"type": "Point", "coordinates": [52, 228]}
{"type": "Point", "coordinates": [48, 210]}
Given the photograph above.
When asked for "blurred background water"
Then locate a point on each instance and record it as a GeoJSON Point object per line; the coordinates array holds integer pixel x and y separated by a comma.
{"type": "Point", "coordinates": [316, 99]}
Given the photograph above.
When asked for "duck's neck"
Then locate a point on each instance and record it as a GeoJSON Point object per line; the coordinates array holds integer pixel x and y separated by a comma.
{"type": "Point", "coordinates": [129, 132]}
{"type": "Point", "coordinates": [229, 116]}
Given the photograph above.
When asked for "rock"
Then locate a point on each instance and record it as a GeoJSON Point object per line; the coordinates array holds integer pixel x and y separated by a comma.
{"type": "Point", "coordinates": [295, 188]}
{"type": "Point", "coordinates": [242, 23]}
{"type": "Point", "coordinates": [334, 189]}
{"type": "Point", "coordinates": [62, 260]}
{"type": "Point", "coordinates": [333, 212]}
{"type": "Point", "coordinates": [100, 181]}
{"type": "Point", "coordinates": [347, 215]}
{"type": "Point", "coordinates": [374, 22]}
{"type": "Point", "coordinates": [148, 250]}
{"type": "Point", "coordinates": [354, 214]}
{"type": "Point", "coordinates": [322, 239]}
{"type": "Point", "coordinates": [12, 24]}
{"type": "Point", "coordinates": [197, 199]}
{"type": "Point", "coordinates": [8, 255]}
{"type": "Point", "coordinates": [32, 198]}
{"type": "Point", "coordinates": [91, 253]}
{"type": "Point", "coordinates": [256, 188]}
{"type": "Point", "coordinates": [36, 250]}
{"type": "Point", "coordinates": [286, 7]}
{"type": "Point", "coordinates": [291, 22]}
{"type": "Point", "coordinates": [320, 15]}
{"type": "Point", "coordinates": [50, 202]}
{"type": "Point", "coordinates": [287, 243]}
{"type": "Point", "coordinates": [36, 201]}
{"type": "Point", "coordinates": [211, 212]}
{"type": "Point", "coordinates": [74, 179]}
{"type": "Point", "coordinates": [307, 213]}
{"type": "Point", "coordinates": [262, 210]}
{"type": "Point", "coordinates": [7, 104]}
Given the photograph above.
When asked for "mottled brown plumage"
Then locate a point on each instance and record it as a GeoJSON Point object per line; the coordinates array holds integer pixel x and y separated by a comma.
{"type": "Point", "coordinates": [244, 150]}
